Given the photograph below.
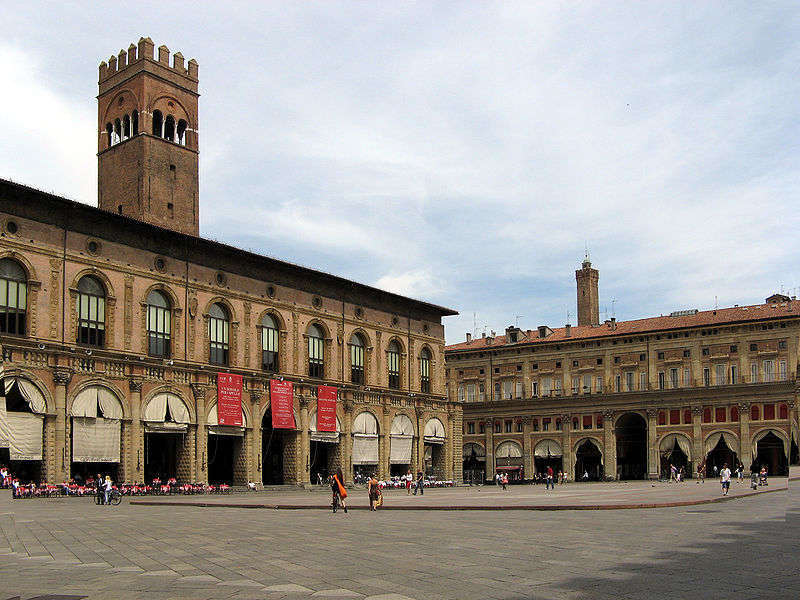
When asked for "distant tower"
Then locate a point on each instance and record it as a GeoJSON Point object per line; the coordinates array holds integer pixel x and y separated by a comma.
{"type": "Point", "coordinates": [147, 151]}
{"type": "Point", "coordinates": [588, 302]}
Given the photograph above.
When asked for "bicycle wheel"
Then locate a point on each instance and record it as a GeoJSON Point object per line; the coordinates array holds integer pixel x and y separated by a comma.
{"type": "Point", "coordinates": [116, 499]}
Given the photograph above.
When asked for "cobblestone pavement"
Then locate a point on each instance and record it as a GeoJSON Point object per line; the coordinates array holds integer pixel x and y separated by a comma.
{"type": "Point", "coordinates": [747, 548]}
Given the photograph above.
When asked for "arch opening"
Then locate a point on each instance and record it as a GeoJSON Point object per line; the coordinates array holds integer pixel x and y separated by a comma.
{"type": "Point", "coordinates": [719, 452]}
{"type": "Point", "coordinates": [588, 462]}
{"type": "Point", "coordinates": [473, 463]}
{"type": "Point", "coordinates": [508, 459]}
{"type": "Point", "coordinates": [276, 468]}
{"type": "Point", "coordinates": [770, 453]}
{"type": "Point", "coordinates": [168, 449]}
{"type": "Point", "coordinates": [96, 433]}
{"type": "Point", "coordinates": [675, 451]}
{"type": "Point", "coordinates": [548, 453]}
{"type": "Point", "coordinates": [22, 428]}
{"type": "Point", "coordinates": [401, 441]}
{"type": "Point", "coordinates": [631, 433]}
{"type": "Point", "coordinates": [158, 124]}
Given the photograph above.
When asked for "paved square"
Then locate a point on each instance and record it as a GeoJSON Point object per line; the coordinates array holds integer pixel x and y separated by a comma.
{"type": "Point", "coordinates": [745, 548]}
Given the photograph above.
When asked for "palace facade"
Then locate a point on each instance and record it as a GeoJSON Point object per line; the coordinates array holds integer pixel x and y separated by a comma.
{"type": "Point", "coordinates": [117, 322]}
{"type": "Point", "coordinates": [627, 399]}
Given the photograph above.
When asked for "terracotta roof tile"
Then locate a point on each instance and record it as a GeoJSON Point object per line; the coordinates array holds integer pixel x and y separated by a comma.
{"type": "Point", "coordinates": [704, 318]}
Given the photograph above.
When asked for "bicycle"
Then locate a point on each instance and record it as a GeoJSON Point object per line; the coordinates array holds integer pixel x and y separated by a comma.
{"type": "Point", "coordinates": [114, 498]}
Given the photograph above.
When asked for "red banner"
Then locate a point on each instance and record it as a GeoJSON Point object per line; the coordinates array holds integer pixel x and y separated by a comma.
{"type": "Point", "coordinates": [229, 399]}
{"type": "Point", "coordinates": [281, 398]}
{"type": "Point", "coordinates": [326, 408]}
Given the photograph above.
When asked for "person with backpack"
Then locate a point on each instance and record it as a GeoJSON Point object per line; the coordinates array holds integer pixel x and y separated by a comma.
{"type": "Point", "coordinates": [338, 493]}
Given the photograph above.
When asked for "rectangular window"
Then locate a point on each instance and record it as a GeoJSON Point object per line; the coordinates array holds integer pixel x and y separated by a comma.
{"type": "Point", "coordinates": [470, 392]}
{"type": "Point", "coordinates": [643, 381]}
{"type": "Point", "coordinates": [481, 427]}
{"type": "Point", "coordinates": [520, 391]}
{"type": "Point", "coordinates": [719, 417]}
{"type": "Point", "coordinates": [546, 424]}
{"type": "Point", "coordinates": [535, 388]}
{"type": "Point", "coordinates": [91, 320]}
{"type": "Point", "coordinates": [587, 384]}
{"type": "Point", "coordinates": [558, 386]}
{"type": "Point", "coordinates": [662, 383]}
{"type": "Point", "coordinates": [471, 427]}
{"type": "Point", "coordinates": [559, 425]}
{"type": "Point", "coordinates": [599, 384]}
{"type": "Point", "coordinates": [768, 373]}
{"type": "Point", "coordinates": [576, 385]}
{"type": "Point", "coordinates": [482, 394]}
{"type": "Point", "coordinates": [508, 426]}
{"type": "Point", "coordinates": [497, 427]}
{"type": "Point", "coordinates": [707, 414]}
{"type": "Point", "coordinates": [769, 412]}
{"type": "Point", "coordinates": [393, 359]}
{"type": "Point", "coordinates": [158, 331]}
{"type": "Point", "coordinates": [536, 424]}
{"type": "Point", "coordinates": [753, 373]}
{"type": "Point", "coordinates": [782, 370]}
{"type": "Point", "coordinates": [497, 391]}
{"type": "Point", "coordinates": [425, 373]}
{"type": "Point", "coordinates": [706, 376]}
{"type": "Point", "coordinates": [719, 374]}
{"type": "Point", "coordinates": [269, 349]}
{"type": "Point", "coordinates": [734, 374]}
{"type": "Point", "coordinates": [673, 378]}
{"type": "Point", "coordinates": [587, 421]}
{"type": "Point", "coordinates": [218, 341]}
{"type": "Point", "coordinates": [316, 364]}
{"type": "Point", "coordinates": [357, 364]}
{"type": "Point", "coordinates": [546, 386]}
{"type": "Point", "coordinates": [619, 383]}
{"type": "Point", "coordinates": [674, 417]}
{"type": "Point", "coordinates": [687, 379]}
{"type": "Point", "coordinates": [461, 397]}
{"type": "Point", "coordinates": [629, 381]}
{"type": "Point", "coordinates": [507, 389]}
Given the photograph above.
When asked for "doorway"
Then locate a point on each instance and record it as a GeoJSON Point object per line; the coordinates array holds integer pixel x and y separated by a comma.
{"type": "Point", "coordinates": [222, 452]}
{"type": "Point", "coordinates": [677, 457]}
{"type": "Point", "coordinates": [588, 462]}
{"type": "Point", "coordinates": [719, 456]}
{"type": "Point", "coordinates": [631, 433]}
{"type": "Point", "coordinates": [272, 442]}
{"type": "Point", "coordinates": [320, 460]}
{"type": "Point", "coordinates": [770, 453]}
{"type": "Point", "coordinates": [161, 456]}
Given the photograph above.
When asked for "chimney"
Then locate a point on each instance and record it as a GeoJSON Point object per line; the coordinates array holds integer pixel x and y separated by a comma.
{"type": "Point", "coordinates": [483, 334]}
{"type": "Point", "coordinates": [567, 330]}
{"type": "Point", "coordinates": [469, 337]}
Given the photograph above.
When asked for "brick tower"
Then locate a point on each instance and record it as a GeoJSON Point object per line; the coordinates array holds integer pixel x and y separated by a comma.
{"type": "Point", "coordinates": [588, 299]}
{"type": "Point", "coordinates": [147, 151]}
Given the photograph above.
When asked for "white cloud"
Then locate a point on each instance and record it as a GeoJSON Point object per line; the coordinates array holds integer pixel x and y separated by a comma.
{"type": "Point", "coordinates": [420, 283]}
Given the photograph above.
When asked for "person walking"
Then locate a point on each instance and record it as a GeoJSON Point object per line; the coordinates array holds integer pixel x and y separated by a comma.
{"type": "Point", "coordinates": [420, 487]}
{"type": "Point", "coordinates": [549, 482]}
{"type": "Point", "coordinates": [372, 491]}
{"type": "Point", "coordinates": [98, 488]}
{"type": "Point", "coordinates": [107, 485]}
{"type": "Point", "coordinates": [409, 479]}
{"type": "Point", "coordinates": [725, 479]}
{"type": "Point", "coordinates": [338, 493]}
{"type": "Point", "coordinates": [504, 481]}
{"type": "Point", "coordinates": [701, 472]}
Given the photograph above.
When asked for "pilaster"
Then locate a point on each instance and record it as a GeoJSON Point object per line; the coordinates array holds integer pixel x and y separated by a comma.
{"type": "Point", "coordinates": [653, 461]}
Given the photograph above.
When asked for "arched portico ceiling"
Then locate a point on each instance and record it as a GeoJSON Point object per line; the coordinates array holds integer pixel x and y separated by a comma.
{"type": "Point", "coordinates": [508, 449]}
{"type": "Point", "coordinates": [434, 432]}
{"type": "Point", "coordinates": [471, 448]}
{"type": "Point", "coordinates": [777, 433]}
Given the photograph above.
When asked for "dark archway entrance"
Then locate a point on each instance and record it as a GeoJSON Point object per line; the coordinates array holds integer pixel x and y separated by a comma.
{"type": "Point", "coordinates": [161, 456]}
{"type": "Point", "coordinates": [794, 452]}
{"type": "Point", "coordinates": [321, 458]}
{"type": "Point", "coordinates": [770, 453]}
{"type": "Point", "coordinates": [554, 462]}
{"type": "Point", "coordinates": [222, 451]}
{"type": "Point", "coordinates": [677, 457]}
{"type": "Point", "coordinates": [719, 456]}
{"type": "Point", "coordinates": [272, 442]}
{"type": "Point", "coordinates": [588, 462]}
{"type": "Point", "coordinates": [473, 465]}
{"type": "Point", "coordinates": [631, 433]}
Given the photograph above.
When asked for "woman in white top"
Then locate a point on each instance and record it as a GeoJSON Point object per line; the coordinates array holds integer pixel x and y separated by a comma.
{"type": "Point", "coordinates": [107, 488]}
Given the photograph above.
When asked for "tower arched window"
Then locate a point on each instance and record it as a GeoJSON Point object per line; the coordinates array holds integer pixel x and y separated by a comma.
{"type": "Point", "coordinates": [91, 312]}
{"type": "Point", "coordinates": [425, 371]}
{"type": "Point", "coordinates": [393, 363]}
{"type": "Point", "coordinates": [159, 324]}
{"type": "Point", "coordinates": [117, 131]}
{"type": "Point", "coordinates": [126, 127]}
{"type": "Point", "coordinates": [181, 139]}
{"type": "Point", "coordinates": [357, 359]}
{"type": "Point", "coordinates": [169, 128]}
{"type": "Point", "coordinates": [13, 297]}
{"type": "Point", "coordinates": [269, 343]}
{"type": "Point", "coordinates": [218, 332]}
{"type": "Point", "coordinates": [135, 123]}
{"type": "Point", "coordinates": [316, 352]}
{"type": "Point", "coordinates": [158, 123]}
{"type": "Point", "coordinates": [110, 134]}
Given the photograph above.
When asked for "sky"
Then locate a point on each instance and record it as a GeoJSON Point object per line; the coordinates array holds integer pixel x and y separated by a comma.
{"type": "Point", "coordinates": [462, 153]}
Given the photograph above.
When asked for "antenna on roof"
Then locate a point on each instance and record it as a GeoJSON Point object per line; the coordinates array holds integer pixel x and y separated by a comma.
{"type": "Point", "coordinates": [516, 320]}
{"type": "Point", "coordinates": [716, 303]}
{"type": "Point", "coordinates": [605, 312]}
{"type": "Point", "coordinates": [475, 324]}
{"type": "Point", "coordinates": [567, 316]}
{"type": "Point", "coordinates": [613, 310]}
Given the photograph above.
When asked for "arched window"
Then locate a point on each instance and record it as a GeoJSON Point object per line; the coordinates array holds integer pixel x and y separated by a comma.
{"type": "Point", "coordinates": [425, 371]}
{"type": "Point", "coordinates": [316, 352]}
{"type": "Point", "coordinates": [158, 123]}
{"type": "Point", "coordinates": [269, 343]}
{"type": "Point", "coordinates": [169, 128]}
{"type": "Point", "coordinates": [357, 359]}
{"type": "Point", "coordinates": [159, 324]}
{"type": "Point", "coordinates": [135, 123]}
{"type": "Point", "coordinates": [393, 363]}
{"type": "Point", "coordinates": [126, 127]}
{"type": "Point", "coordinates": [13, 297]}
{"type": "Point", "coordinates": [181, 139]}
{"type": "Point", "coordinates": [91, 312]}
{"type": "Point", "coordinates": [218, 329]}
{"type": "Point", "coordinates": [110, 134]}
{"type": "Point", "coordinates": [117, 131]}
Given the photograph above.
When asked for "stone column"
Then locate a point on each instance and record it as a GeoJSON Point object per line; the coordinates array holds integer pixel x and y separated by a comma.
{"type": "Point", "coordinates": [346, 443]}
{"type": "Point", "coordinates": [794, 428]}
{"type": "Point", "coordinates": [527, 448]}
{"type": "Point", "coordinates": [653, 462]}
{"type": "Point", "coordinates": [60, 467]}
{"type": "Point", "coordinates": [567, 460]}
{"type": "Point", "coordinates": [134, 473]}
{"type": "Point", "coordinates": [303, 473]}
{"type": "Point", "coordinates": [254, 459]}
{"type": "Point", "coordinates": [745, 448]}
{"type": "Point", "coordinates": [201, 435]}
{"type": "Point", "coordinates": [609, 445]}
{"type": "Point", "coordinates": [697, 436]}
{"type": "Point", "coordinates": [489, 450]}
{"type": "Point", "coordinates": [383, 445]}
{"type": "Point", "coordinates": [420, 441]}
{"type": "Point", "coordinates": [457, 452]}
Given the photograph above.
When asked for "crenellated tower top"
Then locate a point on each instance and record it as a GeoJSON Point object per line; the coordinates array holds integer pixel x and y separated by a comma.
{"type": "Point", "coordinates": [119, 65]}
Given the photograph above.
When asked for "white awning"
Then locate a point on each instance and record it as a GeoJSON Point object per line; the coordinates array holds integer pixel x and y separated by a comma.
{"type": "Point", "coordinates": [97, 400]}
{"type": "Point", "coordinates": [29, 392]}
{"type": "Point", "coordinates": [331, 437]}
{"type": "Point", "coordinates": [24, 435]}
{"type": "Point", "coordinates": [400, 450]}
{"type": "Point", "coordinates": [548, 449]}
{"type": "Point", "coordinates": [668, 443]}
{"type": "Point", "coordinates": [95, 440]}
{"type": "Point", "coordinates": [365, 424]}
{"type": "Point", "coordinates": [713, 440]}
{"type": "Point", "coordinates": [434, 432]}
{"type": "Point", "coordinates": [402, 426]}
{"type": "Point", "coordinates": [476, 448]}
{"type": "Point", "coordinates": [156, 410]}
{"type": "Point", "coordinates": [365, 450]}
{"type": "Point", "coordinates": [508, 450]}
{"type": "Point", "coordinates": [3, 423]}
